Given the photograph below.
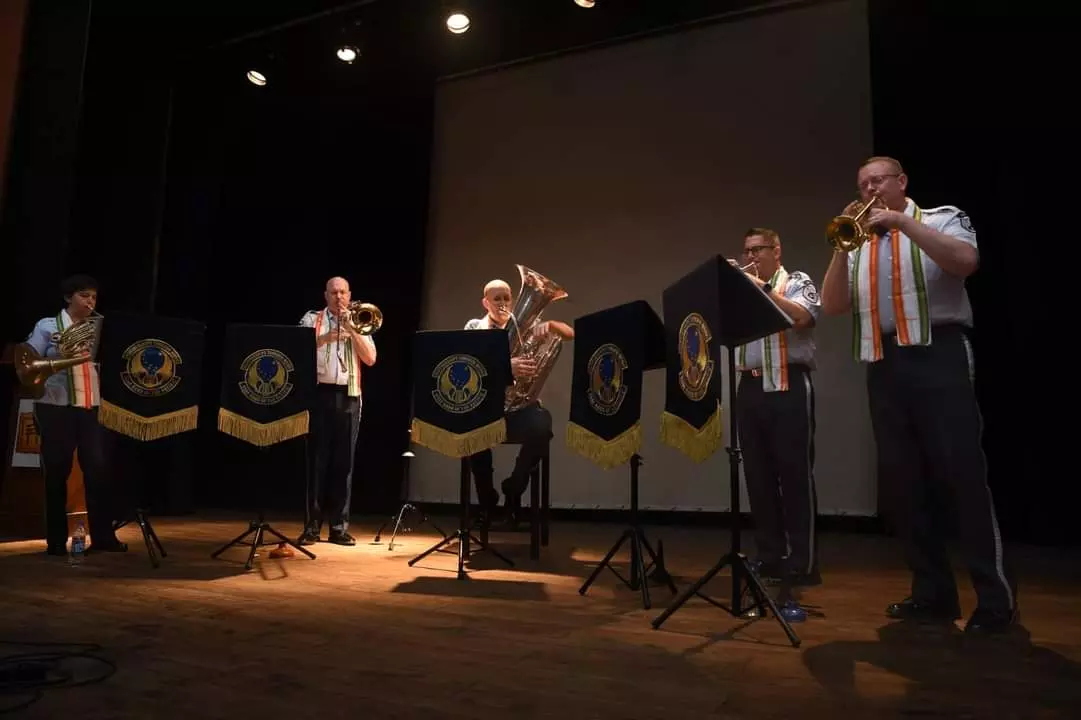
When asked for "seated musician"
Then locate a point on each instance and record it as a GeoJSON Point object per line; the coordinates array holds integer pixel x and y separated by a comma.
{"type": "Point", "coordinates": [530, 426]}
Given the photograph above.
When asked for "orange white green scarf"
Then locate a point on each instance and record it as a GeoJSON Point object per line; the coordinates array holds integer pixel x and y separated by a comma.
{"type": "Point", "coordinates": [82, 379]}
{"type": "Point", "coordinates": [353, 382]}
{"type": "Point", "coordinates": [908, 292]}
{"type": "Point", "coordinates": [773, 349]}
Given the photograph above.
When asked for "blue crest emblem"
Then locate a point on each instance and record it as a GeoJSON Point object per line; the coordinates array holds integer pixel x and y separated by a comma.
{"type": "Point", "coordinates": [265, 377]}
{"type": "Point", "coordinates": [459, 384]}
{"type": "Point", "coordinates": [151, 368]}
{"type": "Point", "coordinates": [695, 362]}
{"type": "Point", "coordinates": [606, 388]}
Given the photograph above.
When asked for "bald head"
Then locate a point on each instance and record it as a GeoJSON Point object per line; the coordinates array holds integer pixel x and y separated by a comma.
{"type": "Point", "coordinates": [497, 297]}
{"type": "Point", "coordinates": [337, 294]}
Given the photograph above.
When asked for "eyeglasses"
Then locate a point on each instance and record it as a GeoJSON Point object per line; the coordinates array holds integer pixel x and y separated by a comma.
{"type": "Point", "coordinates": [875, 180]}
{"type": "Point", "coordinates": [754, 250]}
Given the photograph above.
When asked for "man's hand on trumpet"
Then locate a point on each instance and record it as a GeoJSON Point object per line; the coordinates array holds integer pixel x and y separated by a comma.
{"type": "Point", "coordinates": [879, 217]}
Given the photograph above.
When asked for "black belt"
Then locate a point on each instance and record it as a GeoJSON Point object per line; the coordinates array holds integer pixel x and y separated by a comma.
{"type": "Point", "coordinates": [332, 386]}
{"type": "Point", "coordinates": [793, 367]}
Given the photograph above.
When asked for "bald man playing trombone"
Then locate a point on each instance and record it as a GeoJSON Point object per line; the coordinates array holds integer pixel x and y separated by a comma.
{"type": "Point", "coordinates": [340, 353]}
{"type": "Point", "coordinates": [776, 414]}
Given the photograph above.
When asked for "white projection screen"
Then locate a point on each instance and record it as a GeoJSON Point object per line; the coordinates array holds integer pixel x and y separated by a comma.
{"type": "Point", "coordinates": [614, 171]}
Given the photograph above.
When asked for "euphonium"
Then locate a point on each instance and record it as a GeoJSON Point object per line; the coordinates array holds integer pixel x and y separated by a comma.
{"type": "Point", "coordinates": [74, 346]}
{"type": "Point", "coordinates": [363, 318]}
{"type": "Point", "coordinates": [846, 232]}
{"type": "Point", "coordinates": [536, 294]}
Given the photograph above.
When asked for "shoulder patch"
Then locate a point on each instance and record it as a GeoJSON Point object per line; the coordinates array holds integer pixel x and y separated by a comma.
{"type": "Point", "coordinates": [809, 293]}
{"type": "Point", "coordinates": [966, 222]}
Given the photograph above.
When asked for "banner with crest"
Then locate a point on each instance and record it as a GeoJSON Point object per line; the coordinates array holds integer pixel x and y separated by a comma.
{"type": "Point", "coordinates": [268, 382]}
{"type": "Point", "coordinates": [460, 380]}
{"type": "Point", "coordinates": [613, 348]}
{"type": "Point", "coordinates": [691, 421]}
{"type": "Point", "coordinates": [150, 373]}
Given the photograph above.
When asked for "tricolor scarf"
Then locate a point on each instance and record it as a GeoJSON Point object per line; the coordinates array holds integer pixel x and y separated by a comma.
{"type": "Point", "coordinates": [353, 381]}
{"type": "Point", "coordinates": [908, 291]}
{"type": "Point", "coordinates": [82, 379]}
{"type": "Point", "coordinates": [772, 348]}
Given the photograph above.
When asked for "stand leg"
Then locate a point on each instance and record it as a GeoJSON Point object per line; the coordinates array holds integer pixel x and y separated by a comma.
{"type": "Point", "coordinates": [150, 537]}
{"type": "Point", "coordinates": [260, 528]}
{"type": "Point", "coordinates": [741, 570]}
{"type": "Point", "coordinates": [462, 535]}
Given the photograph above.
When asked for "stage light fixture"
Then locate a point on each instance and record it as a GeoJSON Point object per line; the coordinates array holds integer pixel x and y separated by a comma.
{"type": "Point", "coordinates": [256, 78]}
{"type": "Point", "coordinates": [585, 3]}
{"type": "Point", "coordinates": [457, 22]}
{"type": "Point", "coordinates": [348, 53]}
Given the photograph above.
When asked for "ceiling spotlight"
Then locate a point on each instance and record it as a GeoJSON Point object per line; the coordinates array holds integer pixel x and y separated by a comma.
{"type": "Point", "coordinates": [457, 22]}
{"type": "Point", "coordinates": [256, 78]}
{"type": "Point", "coordinates": [348, 53]}
{"type": "Point", "coordinates": [585, 3]}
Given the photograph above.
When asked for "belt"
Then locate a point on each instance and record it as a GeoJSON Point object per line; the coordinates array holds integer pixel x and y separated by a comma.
{"type": "Point", "coordinates": [334, 386]}
{"type": "Point", "coordinates": [758, 372]}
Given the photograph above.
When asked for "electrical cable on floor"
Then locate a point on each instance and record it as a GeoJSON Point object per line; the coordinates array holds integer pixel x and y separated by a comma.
{"type": "Point", "coordinates": [28, 675]}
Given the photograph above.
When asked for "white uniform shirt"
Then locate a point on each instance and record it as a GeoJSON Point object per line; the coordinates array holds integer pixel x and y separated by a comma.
{"type": "Point", "coordinates": [800, 289]}
{"type": "Point", "coordinates": [43, 340]}
{"type": "Point", "coordinates": [947, 298]}
{"type": "Point", "coordinates": [330, 358]}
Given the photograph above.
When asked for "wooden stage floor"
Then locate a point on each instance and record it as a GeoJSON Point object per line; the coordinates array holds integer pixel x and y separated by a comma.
{"type": "Point", "coordinates": [358, 633]}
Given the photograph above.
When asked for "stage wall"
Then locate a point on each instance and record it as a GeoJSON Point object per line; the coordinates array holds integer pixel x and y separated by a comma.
{"type": "Point", "coordinates": [617, 170]}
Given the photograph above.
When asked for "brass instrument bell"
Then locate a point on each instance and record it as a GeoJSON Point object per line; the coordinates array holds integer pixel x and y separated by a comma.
{"type": "Point", "coordinates": [846, 232]}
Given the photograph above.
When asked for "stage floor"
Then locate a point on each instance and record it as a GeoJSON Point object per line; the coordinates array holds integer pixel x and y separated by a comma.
{"type": "Point", "coordinates": [358, 633]}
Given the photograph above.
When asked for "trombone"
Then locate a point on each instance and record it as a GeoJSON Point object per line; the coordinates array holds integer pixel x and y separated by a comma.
{"type": "Point", "coordinates": [845, 232]}
{"type": "Point", "coordinates": [363, 319]}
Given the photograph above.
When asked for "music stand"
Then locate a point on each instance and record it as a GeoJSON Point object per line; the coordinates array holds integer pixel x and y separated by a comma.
{"type": "Point", "coordinates": [459, 384]}
{"type": "Point", "coordinates": [268, 382]}
{"type": "Point", "coordinates": [149, 395]}
{"type": "Point", "coordinates": [745, 314]}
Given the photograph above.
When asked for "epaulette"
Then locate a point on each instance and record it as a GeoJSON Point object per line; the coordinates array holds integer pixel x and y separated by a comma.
{"type": "Point", "coordinates": [940, 209]}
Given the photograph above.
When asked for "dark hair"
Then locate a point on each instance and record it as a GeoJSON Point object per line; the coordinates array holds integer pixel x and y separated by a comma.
{"type": "Point", "coordinates": [76, 283]}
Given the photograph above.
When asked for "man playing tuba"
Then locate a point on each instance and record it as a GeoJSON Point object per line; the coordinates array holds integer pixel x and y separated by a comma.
{"type": "Point", "coordinates": [529, 425]}
{"type": "Point", "coordinates": [66, 416]}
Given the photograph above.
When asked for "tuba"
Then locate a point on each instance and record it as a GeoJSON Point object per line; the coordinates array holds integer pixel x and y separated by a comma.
{"type": "Point", "coordinates": [536, 294]}
{"type": "Point", "coordinates": [74, 346]}
{"type": "Point", "coordinates": [846, 232]}
{"type": "Point", "coordinates": [363, 318]}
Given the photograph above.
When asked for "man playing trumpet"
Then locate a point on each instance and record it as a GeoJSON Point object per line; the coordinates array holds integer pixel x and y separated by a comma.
{"type": "Point", "coordinates": [777, 421]}
{"type": "Point", "coordinates": [340, 352]}
{"type": "Point", "coordinates": [905, 287]}
{"type": "Point", "coordinates": [531, 426]}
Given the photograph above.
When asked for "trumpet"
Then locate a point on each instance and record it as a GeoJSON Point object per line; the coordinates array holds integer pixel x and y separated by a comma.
{"type": "Point", "coordinates": [845, 232]}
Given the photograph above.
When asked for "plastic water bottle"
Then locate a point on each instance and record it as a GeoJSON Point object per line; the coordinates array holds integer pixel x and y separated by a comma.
{"type": "Point", "coordinates": [78, 545]}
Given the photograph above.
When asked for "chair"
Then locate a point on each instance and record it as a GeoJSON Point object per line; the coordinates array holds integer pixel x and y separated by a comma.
{"type": "Point", "coordinates": [539, 503]}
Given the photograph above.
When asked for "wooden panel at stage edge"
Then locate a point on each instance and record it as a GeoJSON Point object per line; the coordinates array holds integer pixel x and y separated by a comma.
{"type": "Point", "coordinates": [22, 489]}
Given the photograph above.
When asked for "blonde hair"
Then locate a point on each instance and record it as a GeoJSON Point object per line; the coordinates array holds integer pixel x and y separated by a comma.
{"type": "Point", "coordinates": [496, 285]}
{"type": "Point", "coordinates": [895, 164]}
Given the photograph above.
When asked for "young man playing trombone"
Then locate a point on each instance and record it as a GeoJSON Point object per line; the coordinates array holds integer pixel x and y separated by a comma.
{"type": "Point", "coordinates": [900, 271]}
{"type": "Point", "coordinates": [340, 352]}
{"type": "Point", "coordinates": [776, 414]}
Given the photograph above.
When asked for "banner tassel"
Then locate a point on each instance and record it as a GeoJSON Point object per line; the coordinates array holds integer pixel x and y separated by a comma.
{"type": "Point", "coordinates": [133, 425]}
{"type": "Point", "coordinates": [458, 444]}
{"type": "Point", "coordinates": [696, 443]}
{"type": "Point", "coordinates": [261, 434]}
{"type": "Point", "coordinates": [606, 453]}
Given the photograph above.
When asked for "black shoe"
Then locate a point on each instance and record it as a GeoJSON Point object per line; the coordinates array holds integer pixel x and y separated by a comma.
{"type": "Point", "coordinates": [341, 538]}
{"type": "Point", "coordinates": [989, 622]}
{"type": "Point", "coordinates": [114, 546]}
{"type": "Point", "coordinates": [56, 551]}
{"type": "Point", "coordinates": [909, 609]}
{"type": "Point", "coordinates": [308, 537]}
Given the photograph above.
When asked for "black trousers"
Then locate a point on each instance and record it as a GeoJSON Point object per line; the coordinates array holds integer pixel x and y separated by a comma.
{"type": "Point", "coordinates": [531, 427]}
{"type": "Point", "coordinates": [776, 434]}
{"type": "Point", "coordinates": [928, 429]}
{"type": "Point", "coordinates": [65, 429]}
{"type": "Point", "coordinates": [335, 423]}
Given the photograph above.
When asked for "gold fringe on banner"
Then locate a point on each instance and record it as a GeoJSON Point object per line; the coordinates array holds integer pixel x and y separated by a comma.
{"type": "Point", "coordinates": [696, 443]}
{"type": "Point", "coordinates": [134, 425]}
{"type": "Point", "coordinates": [459, 444]}
{"type": "Point", "coordinates": [606, 453]}
{"type": "Point", "coordinates": [262, 434]}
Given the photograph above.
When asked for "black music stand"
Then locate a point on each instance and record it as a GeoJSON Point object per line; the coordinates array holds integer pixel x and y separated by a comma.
{"type": "Point", "coordinates": [150, 388]}
{"type": "Point", "coordinates": [459, 384]}
{"type": "Point", "coordinates": [745, 314]}
{"type": "Point", "coordinates": [267, 390]}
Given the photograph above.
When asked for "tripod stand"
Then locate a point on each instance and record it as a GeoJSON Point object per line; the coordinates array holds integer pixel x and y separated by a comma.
{"type": "Point", "coordinates": [406, 507]}
{"type": "Point", "coordinates": [462, 534]}
{"type": "Point", "coordinates": [742, 575]}
{"type": "Point", "coordinates": [639, 580]}
{"type": "Point", "coordinates": [153, 543]}
{"type": "Point", "coordinates": [260, 527]}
